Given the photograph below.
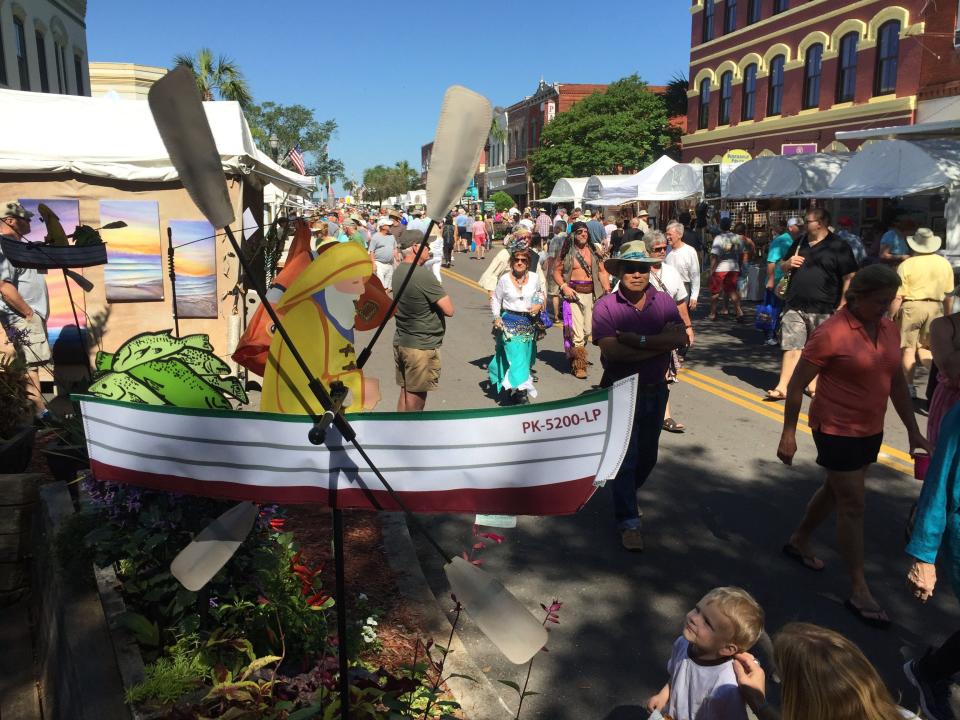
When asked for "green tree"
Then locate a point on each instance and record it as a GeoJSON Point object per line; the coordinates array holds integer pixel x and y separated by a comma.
{"type": "Point", "coordinates": [295, 125]}
{"type": "Point", "coordinates": [410, 176]}
{"type": "Point", "coordinates": [217, 78]}
{"type": "Point", "coordinates": [626, 125]}
{"type": "Point", "coordinates": [502, 201]}
{"type": "Point", "coordinates": [676, 95]}
{"type": "Point", "coordinates": [382, 182]}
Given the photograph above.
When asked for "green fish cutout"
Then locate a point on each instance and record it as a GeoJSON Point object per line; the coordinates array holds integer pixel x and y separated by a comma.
{"type": "Point", "coordinates": [230, 385]}
{"type": "Point", "coordinates": [202, 362]}
{"type": "Point", "coordinates": [118, 386]}
{"type": "Point", "coordinates": [155, 346]}
{"type": "Point", "coordinates": [103, 361]}
{"type": "Point", "coordinates": [178, 385]}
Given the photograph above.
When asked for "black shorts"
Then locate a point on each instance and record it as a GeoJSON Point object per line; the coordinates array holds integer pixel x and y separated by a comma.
{"type": "Point", "coordinates": [846, 454]}
{"type": "Point", "coordinates": [465, 234]}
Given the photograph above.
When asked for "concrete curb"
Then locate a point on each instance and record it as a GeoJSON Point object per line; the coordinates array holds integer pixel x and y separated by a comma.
{"type": "Point", "coordinates": [480, 700]}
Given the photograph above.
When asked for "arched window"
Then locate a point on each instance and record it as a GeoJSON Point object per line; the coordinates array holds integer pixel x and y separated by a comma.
{"type": "Point", "coordinates": [42, 62]}
{"type": "Point", "coordinates": [749, 92]}
{"type": "Point", "coordinates": [847, 69]}
{"type": "Point", "coordinates": [780, 6]}
{"type": "Point", "coordinates": [730, 16]}
{"type": "Point", "coordinates": [726, 98]}
{"type": "Point", "coordinates": [20, 46]}
{"type": "Point", "coordinates": [811, 76]}
{"type": "Point", "coordinates": [704, 117]}
{"type": "Point", "coordinates": [888, 51]}
{"type": "Point", "coordinates": [708, 20]}
{"type": "Point", "coordinates": [775, 86]}
{"type": "Point", "coordinates": [753, 11]}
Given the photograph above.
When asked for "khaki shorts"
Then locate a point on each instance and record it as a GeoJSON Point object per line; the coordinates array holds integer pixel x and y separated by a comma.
{"type": "Point", "coordinates": [914, 321]}
{"type": "Point", "coordinates": [797, 326]}
{"type": "Point", "coordinates": [29, 338]}
{"type": "Point", "coordinates": [417, 370]}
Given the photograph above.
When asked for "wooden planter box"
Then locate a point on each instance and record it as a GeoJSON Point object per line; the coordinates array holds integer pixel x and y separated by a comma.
{"type": "Point", "coordinates": [18, 503]}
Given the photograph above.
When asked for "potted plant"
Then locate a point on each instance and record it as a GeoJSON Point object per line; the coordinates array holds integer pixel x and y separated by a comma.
{"type": "Point", "coordinates": [16, 430]}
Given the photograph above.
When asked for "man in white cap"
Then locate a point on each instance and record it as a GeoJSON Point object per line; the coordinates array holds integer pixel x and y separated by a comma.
{"type": "Point", "coordinates": [642, 217]}
{"type": "Point", "coordinates": [926, 293]}
{"type": "Point", "coordinates": [383, 252]}
{"type": "Point", "coordinates": [24, 305]}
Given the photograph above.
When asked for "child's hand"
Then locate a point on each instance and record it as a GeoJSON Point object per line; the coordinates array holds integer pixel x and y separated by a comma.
{"type": "Point", "coordinates": [659, 701]}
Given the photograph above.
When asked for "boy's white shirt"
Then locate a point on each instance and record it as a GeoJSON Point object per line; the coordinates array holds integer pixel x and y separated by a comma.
{"type": "Point", "coordinates": [692, 687]}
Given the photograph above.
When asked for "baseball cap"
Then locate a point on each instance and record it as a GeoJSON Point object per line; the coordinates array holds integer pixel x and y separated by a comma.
{"type": "Point", "coordinates": [793, 221]}
{"type": "Point", "coordinates": [384, 222]}
{"type": "Point", "coordinates": [409, 238]}
{"type": "Point", "coordinates": [15, 209]}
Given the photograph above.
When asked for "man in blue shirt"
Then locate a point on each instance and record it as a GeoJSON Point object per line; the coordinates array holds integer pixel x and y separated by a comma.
{"type": "Point", "coordinates": [463, 222]}
{"type": "Point", "coordinates": [893, 244]}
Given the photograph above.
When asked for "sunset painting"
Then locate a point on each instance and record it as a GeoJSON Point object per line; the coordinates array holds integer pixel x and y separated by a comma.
{"type": "Point", "coordinates": [67, 210]}
{"type": "Point", "coordinates": [134, 268]}
{"type": "Point", "coordinates": [195, 263]}
{"type": "Point", "coordinates": [61, 315]}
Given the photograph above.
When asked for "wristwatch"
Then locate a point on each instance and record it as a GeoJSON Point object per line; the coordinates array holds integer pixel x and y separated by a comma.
{"type": "Point", "coordinates": [643, 339]}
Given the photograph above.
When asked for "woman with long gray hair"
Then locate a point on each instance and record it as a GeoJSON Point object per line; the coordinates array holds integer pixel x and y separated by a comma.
{"type": "Point", "coordinates": [855, 354]}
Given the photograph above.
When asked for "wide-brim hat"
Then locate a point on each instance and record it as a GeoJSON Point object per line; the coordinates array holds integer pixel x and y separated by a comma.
{"type": "Point", "coordinates": [643, 213]}
{"type": "Point", "coordinates": [394, 213]}
{"type": "Point", "coordinates": [633, 251]}
{"type": "Point", "coordinates": [924, 242]}
{"type": "Point", "coordinates": [15, 209]}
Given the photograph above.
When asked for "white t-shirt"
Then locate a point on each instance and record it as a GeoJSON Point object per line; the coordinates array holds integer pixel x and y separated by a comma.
{"type": "Point", "coordinates": [671, 281]}
{"type": "Point", "coordinates": [728, 249]}
{"type": "Point", "coordinates": [702, 691]}
{"type": "Point", "coordinates": [610, 227]}
{"type": "Point", "coordinates": [685, 261]}
{"type": "Point", "coordinates": [528, 224]}
{"type": "Point", "coordinates": [508, 297]}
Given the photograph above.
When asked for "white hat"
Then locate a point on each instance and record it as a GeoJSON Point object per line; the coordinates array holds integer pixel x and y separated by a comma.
{"type": "Point", "coordinates": [384, 222]}
{"type": "Point", "coordinates": [794, 222]}
{"type": "Point", "coordinates": [643, 213]}
{"type": "Point", "coordinates": [587, 213]}
{"type": "Point", "coordinates": [924, 242]}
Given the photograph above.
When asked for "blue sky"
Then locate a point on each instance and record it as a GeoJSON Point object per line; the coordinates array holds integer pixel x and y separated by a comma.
{"type": "Point", "coordinates": [380, 68]}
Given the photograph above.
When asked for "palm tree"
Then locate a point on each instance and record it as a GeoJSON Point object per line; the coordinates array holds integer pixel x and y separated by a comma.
{"type": "Point", "coordinates": [217, 79]}
{"type": "Point", "coordinates": [675, 95]}
{"type": "Point", "coordinates": [410, 176]}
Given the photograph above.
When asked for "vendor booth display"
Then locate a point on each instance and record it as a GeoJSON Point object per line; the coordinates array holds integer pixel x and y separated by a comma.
{"type": "Point", "coordinates": [663, 181]}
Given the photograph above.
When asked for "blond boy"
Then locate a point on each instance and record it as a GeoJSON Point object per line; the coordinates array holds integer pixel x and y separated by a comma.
{"type": "Point", "coordinates": [702, 684]}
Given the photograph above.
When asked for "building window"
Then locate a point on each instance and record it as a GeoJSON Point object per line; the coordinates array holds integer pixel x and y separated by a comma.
{"type": "Point", "coordinates": [3, 63]}
{"type": "Point", "coordinates": [753, 11]}
{"type": "Point", "coordinates": [60, 57]}
{"type": "Point", "coordinates": [780, 6]}
{"type": "Point", "coordinates": [888, 50]}
{"type": "Point", "coordinates": [811, 76]}
{"type": "Point", "coordinates": [749, 92]}
{"type": "Point", "coordinates": [20, 37]}
{"type": "Point", "coordinates": [847, 71]}
{"type": "Point", "coordinates": [730, 16]}
{"type": "Point", "coordinates": [775, 86]}
{"type": "Point", "coordinates": [704, 116]}
{"type": "Point", "coordinates": [708, 7]}
{"type": "Point", "coordinates": [78, 71]}
{"type": "Point", "coordinates": [726, 98]}
{"type": "Point", "coordinates": [42, 63]}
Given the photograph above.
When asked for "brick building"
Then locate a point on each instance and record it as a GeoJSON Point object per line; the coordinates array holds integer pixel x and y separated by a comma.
{"type": "Point", "coordinates": [784, 76]}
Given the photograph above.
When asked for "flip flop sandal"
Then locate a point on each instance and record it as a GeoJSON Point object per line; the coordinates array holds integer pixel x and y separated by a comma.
{"type": "Point", "coordinates": [775, 396]}
{"type": "Point", "coordinates": [864, 615]}
{"type": "Point", "coordinates": [809, 394]}
{"type": "Point", "coordinates": [671, 425]}
{"type": "Point", "coordinates": [807, 561]}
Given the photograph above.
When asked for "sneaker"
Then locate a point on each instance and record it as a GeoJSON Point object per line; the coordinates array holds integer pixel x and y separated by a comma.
{"type": "Point", "coordinates": [771, 342]}
{"type": "Point", "coordinates": [632, 539]}
{"type": "Point", "coordinates": [934, 694]}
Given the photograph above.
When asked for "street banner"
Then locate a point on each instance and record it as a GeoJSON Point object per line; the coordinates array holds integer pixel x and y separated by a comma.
{"type": "Point", "coordinates": [544, 459]}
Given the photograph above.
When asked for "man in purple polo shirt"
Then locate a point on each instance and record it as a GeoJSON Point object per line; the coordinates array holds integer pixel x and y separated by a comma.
{"type": "Point", "coordinates": [637, 327]}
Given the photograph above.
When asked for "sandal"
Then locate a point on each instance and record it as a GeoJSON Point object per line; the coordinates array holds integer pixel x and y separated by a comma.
{"type": "Point", "coordinates": [874, 618]}
{"type": "Point", "coordinates": [811, 395]}
{"type": "Point", "coordinates": [808, 561]}
{"type": "Point", "coordinates": [671, 425]}
{"type": "Point", "coordinates": [775, 395]}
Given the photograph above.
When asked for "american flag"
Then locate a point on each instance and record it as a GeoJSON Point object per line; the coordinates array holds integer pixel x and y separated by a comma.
{"type": "Point", "coordinates": [296, 157]}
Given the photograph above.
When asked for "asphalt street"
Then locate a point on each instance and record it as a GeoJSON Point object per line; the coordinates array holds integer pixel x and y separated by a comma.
{"type": "Point", "coordinates": [717, 510]}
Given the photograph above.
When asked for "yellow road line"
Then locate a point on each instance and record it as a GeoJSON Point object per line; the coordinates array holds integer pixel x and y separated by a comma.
{"type": "Point", "coordinates": [889, 456]}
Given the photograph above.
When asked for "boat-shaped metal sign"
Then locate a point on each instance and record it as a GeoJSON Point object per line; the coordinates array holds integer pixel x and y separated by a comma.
{"type": "Point", "coordinates": [542, 459]}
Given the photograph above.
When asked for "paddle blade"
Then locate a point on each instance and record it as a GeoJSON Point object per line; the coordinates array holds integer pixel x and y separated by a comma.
{"type": "Point", "coordinates": [178, 111]}
{"type": "Point", "coordinates": [209, 551]}
{"type": "Point", "coordinates": [498, 614]}
{"type": "Point", "coordinates": [79, 279]}
{"type": "Point", "coordinates": [461, 134]}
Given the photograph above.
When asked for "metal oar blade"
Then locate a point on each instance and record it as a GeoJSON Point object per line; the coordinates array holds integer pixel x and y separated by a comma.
{"type": "Point", "coordinates": [209, 551]}
{"type": "Point", "coordinates": [178, 111]}
{"type": "Point", "coordinates": [461, 134]}
{"type": "Point", "coordinates": [498, 614]}
{"type": "Point", "coordinates": [79, 279]}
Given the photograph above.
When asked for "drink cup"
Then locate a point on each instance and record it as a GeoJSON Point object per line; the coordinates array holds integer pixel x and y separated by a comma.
{"type": "Point", "coordinates": [921, 461]}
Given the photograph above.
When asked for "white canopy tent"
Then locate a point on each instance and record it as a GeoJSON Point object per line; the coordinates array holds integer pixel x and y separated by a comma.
{"type": "Point", "coordinates": [625, 189]}
{"type": "Point", "coordinates": [597, 185]}
{"type": "Point", "coordinates": [566, 190]}
{"type": "Point", "coordinates": [785, 176]}
{"type": "Point", "coordinates": [118, 139]}
{"type": "Point", "coordinates": [894, 168]}
{"type": "Point", "coordinates": [663, 180]}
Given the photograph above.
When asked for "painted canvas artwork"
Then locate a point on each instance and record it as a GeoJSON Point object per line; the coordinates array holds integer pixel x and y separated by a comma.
{"type": "Point", "coordinates": [61, 314]}
{"type": "Point", "coordinates": [195, 262]}
{"type": "Point", "coordinates": [134, 270]}
{"type": "Point", "coordinates": [66, 210]}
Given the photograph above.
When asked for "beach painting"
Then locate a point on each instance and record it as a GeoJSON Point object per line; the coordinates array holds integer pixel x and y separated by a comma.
{"type": "Point", "coordinates": [61, 314]}
{"type": "Point", "coordinates": [67, 210]}
{"type": "Point", "coordinates": [195, 263]}
{"type": "Point", "coordinates": [134, 270]}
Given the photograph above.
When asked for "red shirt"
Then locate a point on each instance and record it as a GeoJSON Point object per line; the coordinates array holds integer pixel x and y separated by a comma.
{"type": "Point", "coordinates": [855, 375]}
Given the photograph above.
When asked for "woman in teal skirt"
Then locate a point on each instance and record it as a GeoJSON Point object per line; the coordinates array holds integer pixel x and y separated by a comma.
{"type": "Point", "coordinates": [516, 304]}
